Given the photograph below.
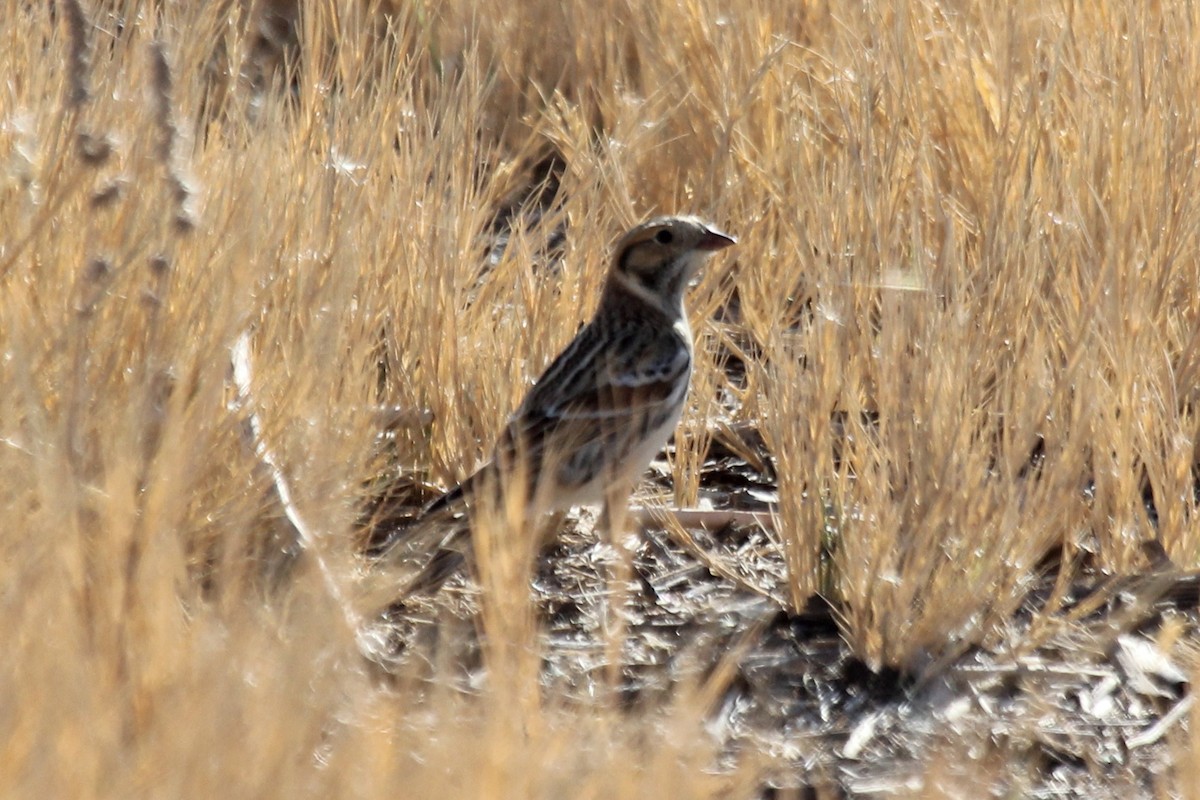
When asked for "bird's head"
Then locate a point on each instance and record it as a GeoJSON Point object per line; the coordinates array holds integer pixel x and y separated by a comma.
{"type": "Point", "coordinates": [656, 259]}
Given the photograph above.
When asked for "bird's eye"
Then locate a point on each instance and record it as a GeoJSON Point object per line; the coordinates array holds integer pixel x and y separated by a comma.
{"type": "Point", "coordinates": [664, 236]}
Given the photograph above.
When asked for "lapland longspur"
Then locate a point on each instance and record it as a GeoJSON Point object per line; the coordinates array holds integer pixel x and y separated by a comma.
{"type": "Point", "coordinates": [606, 405]}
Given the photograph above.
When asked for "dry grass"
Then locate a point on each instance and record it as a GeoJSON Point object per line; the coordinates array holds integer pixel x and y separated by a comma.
{"type": "Point", "coordinates": [966, 234]}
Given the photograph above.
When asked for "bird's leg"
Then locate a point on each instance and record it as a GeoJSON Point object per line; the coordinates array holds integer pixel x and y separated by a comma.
{"type": "Point", "coordinates": [612, 524]}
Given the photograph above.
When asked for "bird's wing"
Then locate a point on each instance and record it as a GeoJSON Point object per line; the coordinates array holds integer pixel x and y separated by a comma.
{"type": "Point", "coordinates": [605, 383]}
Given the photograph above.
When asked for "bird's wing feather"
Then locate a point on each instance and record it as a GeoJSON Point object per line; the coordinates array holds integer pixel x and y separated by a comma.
{"type": "Point", "coordinates": [595, 380]}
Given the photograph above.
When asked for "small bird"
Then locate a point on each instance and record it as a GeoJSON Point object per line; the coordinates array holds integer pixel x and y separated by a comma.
{"type": "Point", "coordinates": [606, 405]}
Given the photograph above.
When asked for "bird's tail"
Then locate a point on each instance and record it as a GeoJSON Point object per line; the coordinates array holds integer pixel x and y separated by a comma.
{"type": "Point", "coordinates": [441, 528]}
{"type": "Point", "coordinates": [444, 529]}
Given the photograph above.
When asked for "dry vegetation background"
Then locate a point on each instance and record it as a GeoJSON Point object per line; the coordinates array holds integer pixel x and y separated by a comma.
{"type": "Point", "coordinates": [967, 302]}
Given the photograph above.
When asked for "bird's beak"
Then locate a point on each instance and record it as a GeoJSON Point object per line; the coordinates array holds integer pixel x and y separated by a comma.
{"type": "Point", "coordinates": [714, 240]}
